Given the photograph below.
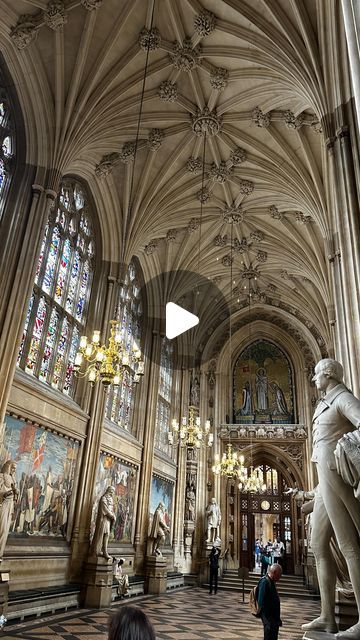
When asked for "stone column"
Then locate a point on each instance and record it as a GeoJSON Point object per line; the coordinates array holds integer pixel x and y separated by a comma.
{"type": "Point", "coordinates": [90, 459]}
{"type": "Point", "coordinates": [142, 518]}
{"type": "Point", "coordinates": [351, 14]}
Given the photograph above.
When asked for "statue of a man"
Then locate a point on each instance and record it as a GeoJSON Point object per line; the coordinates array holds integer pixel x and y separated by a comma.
{"type": "Point", "coordinates": [336, 510]}
{"type": "Point", "coordinates": [190, 503]}
{"type": "Point", "coordinates": [159, 529]}
{"type": "Point", "coordinates": [104, 521]}
{"type": "Point", "coordinates": [8, 496]}
{"type": "Point", "coordinates": [213, 516]}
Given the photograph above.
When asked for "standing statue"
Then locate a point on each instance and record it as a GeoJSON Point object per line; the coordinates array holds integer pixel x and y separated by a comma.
{"type": "Point", "coordinates": [336, 509]}
{"type": "Point", "coordinates": [279, 399]}
{"type": "Point", "coordinates": [8, 496]}
{"type": "Point", "coordinates": [213, 515]}
{"type": "Point", "coordinates": [246, 407]}
{"type": "Point", "coordinates": [159, 529]}
{"type": "Point", "coordinates": [104, 521]}
{"type": "Point", "coordinates": [190, 503]}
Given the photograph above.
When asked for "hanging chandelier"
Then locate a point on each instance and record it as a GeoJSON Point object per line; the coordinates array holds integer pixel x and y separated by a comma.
{"type": "Point", "coordinates": [190, 433]}
{"type": "Point", "coordinates": [232, 465]}
{"type": "Point", "coordinates": [107, 363]}
{"type": "Point", "coordinates": [228, 464]}
{"type": "Point", "coordinates": [250, 482]}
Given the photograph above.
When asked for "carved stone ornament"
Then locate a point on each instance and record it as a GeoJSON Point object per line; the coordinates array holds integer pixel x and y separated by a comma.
{"type": "Point", "coordinates": [25, 31]}
{"type": "Point", "coordinates": [206, 122]}
{"type": "Point", "coordinates": [185, 57]}
{"type": "Point", "coordinates": [257, 295]}
{"type": "Point", "coordinates": [203, 195]}
{"type": "Point", "coordinates": [217, 279]}
{"type": "Point", "coordinates": [262, 256]}
{"type": "Point", "coordinates": [106, 165]}
{"type": "Point", "coordinates": [151, 247]}
{"type": "Point", "coordinates": [246, 187]}
{"type": "Point", "coordinates": [284, 274]}
{"type": "Point", "coordinates": [168, 91]}
{"type": "Point", "coordinates": [194, 165]}
{"type": "Point", "coordinates": [193, 225]}
{"type": "Point", "coordinates": [240, 246]}
{"type": "Point", "coordinates": [227, 260]}
{"type": "Point", "coordinates": [260, 119]}
{"type": "Point", "coordinates": [275, 213]}
{"type": "Point", "coordinates": [149, 39]}
{"type": "Point", "coordinates": [55, 16]}
{"type": "Point", "coordinates": [292, 121]}
{"type": "Point", "coordinates": [237, 156]}
{"type": "Point", "coordinates": [250, 274]}
{"type": "Point", "coordinates": [272, 288]}
{"type": "Point", "coordinates": [219, 79]}
{"type": "Point", "coordinates": [233, 214]}
{"type": "Point", "coordinates": [90, 5]}
{"type": "Point", "coordinates": [205, 23]}
{"type": "Point", "coordinates": [220, 172]}
{"type": "Point", "coordinates": [220, 241]}
{"type": "Point", "coordinates": [316, 126]}
{"type": "Point", "coordinates": [155, 139]}
{"type": "Point", "coordinates": [127, 152]}
{"type": "Point", "coordinates": [257, 235]}
{"type": "Point", "coordinates": [171, 236]}
{"type": "Point", "coordinates": [301, 218]}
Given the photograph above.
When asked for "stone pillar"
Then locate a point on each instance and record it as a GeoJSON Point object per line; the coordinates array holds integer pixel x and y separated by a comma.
{"type": "Point", "coordinates": [142, 518]}
{"type": "Point", "coordinates": [351, 14]}
{"type": "Point", "coordinates": [4, 590]}
{"type": "Point", "coordinates": [90, 457]}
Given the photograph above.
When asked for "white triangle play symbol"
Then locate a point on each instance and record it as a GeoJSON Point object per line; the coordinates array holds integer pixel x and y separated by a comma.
{"type": "Point", "coordinates": [178, 320]}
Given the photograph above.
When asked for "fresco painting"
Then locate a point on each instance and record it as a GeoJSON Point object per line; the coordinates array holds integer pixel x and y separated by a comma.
{"type": "Point", "coordinates": [262, 386]}
{"type": "Point", "coordinates": [123, 477]}
{"type": "Point", "coordinates": [45, 474]}
{"type": "Point", "coordinates": [162, 491]}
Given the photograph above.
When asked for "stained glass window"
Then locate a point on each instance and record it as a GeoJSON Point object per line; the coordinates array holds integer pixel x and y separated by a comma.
{"type": "Point", "coordinates": [163, 409]}
{"type": "Point", "coordinates": [57, 310]}
{"type": "Point", "coordinates": [120, 400]}
{"type": "Point", "coordinates": [7, 146]}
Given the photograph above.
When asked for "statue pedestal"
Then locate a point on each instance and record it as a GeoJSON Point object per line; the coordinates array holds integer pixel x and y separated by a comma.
{"type": "Point", "coordinates": [155, 575]}
{"type": "Point", "coordinates": [346, 613]}
{"type": "Point", "coordinates": [98, 582]}
{"type": "Point", "coordinates": [4, 590]}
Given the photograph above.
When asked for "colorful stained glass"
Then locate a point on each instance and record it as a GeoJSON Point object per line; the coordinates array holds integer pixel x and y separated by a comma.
{"type": "Point", "coordinates": [62, 283]}
{"type": "Point", "coordinates": [63, 271]}
{"type": "Point", "coordinates": [2, 113]}
{"type": "Point", "coordinates": [51, 264]}
{"type": "Point", "coordinates": [164, 397]}
{"type": "Point", "coordinates": [25, 331]}
{"type": "Point", "coordinates": [2, 175]}
{"type": "Point", "coordinates": [6, 147]}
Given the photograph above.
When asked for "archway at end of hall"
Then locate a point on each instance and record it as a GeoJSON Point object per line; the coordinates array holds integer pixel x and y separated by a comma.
{"type": "Point", "coordinates": [268, 515]}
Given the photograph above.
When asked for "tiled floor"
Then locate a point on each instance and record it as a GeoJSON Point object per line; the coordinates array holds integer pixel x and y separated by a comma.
{"type": "Point", "coordinates": [189, 614]}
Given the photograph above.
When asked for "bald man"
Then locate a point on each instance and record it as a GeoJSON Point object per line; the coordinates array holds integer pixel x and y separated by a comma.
{"type": "Point", "coordinates": [269, 602]}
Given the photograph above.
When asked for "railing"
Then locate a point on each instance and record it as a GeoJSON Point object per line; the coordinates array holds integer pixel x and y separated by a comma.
{"type": "Point", "coordinates": [262, 431]}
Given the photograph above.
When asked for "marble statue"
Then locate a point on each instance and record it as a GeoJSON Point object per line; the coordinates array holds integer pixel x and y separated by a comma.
{"type": "Point", "coordinates": [336, 509]}
{"type": "Point", "coordinates": [8, 496]}
{"type": "Point", "coordinates": [213, 516]}
{"type": "Point", "coordinates": [159, 529]}
{"type": "Point", "coordinates": [190, 503]}
{"type": "Point", "coordinates": [104, 521]}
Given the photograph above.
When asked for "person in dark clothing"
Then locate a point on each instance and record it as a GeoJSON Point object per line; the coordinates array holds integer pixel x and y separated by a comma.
{"type": "Point", "coordinates": [265, 562]}
{"type": "Point", "coordinates": [269, 602]}
{"type": "Point", "coordinates": [214, 568]}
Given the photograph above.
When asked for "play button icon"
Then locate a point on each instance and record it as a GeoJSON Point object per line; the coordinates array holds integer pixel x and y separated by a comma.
{"type": "Point", "coordinates": [178, 320]}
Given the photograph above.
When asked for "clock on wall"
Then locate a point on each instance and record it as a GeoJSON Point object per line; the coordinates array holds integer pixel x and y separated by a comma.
{"type": "Point", "coordinates": [265, 505]}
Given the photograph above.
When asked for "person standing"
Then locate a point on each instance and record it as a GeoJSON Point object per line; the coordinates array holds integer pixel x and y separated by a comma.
{"type": "Point", "coordinates": [214, 568]}
{"type": "Point", "coordinates": [269, 602]}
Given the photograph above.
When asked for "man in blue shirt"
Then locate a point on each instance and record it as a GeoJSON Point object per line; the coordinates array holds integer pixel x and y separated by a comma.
{"type": "Point", "coordinates": [269, 602]}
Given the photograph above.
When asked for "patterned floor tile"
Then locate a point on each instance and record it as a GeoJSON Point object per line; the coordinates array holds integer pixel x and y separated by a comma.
{"type": "Point", "coordinates": [190, 614]}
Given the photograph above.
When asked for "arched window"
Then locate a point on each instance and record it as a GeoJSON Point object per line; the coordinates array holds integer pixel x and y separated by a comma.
{"type": "Point", "coordinates": [7, 146]}
{"type": "Point", "coordinates": [57, 310]}
{"type": "Point", "coordinates": [164, 397]}
{"type": "Point", "coordinates": [120, 401]}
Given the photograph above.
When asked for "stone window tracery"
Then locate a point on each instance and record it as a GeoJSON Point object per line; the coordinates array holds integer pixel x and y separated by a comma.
{"type": "Point", "coordinates": [120, 401]}
{"type": "Point", "coordinates": [7, 147]}
{"type": "Point", "coordinates": [163, 409]}
{"type": "Point", "coordinates": [56, 315]}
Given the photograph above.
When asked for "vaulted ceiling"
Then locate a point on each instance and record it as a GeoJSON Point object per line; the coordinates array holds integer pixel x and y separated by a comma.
{"type": "Point", "coordinates": [229, 174]}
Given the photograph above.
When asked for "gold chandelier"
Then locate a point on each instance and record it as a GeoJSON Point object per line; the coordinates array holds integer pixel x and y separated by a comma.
{"type": "Point", "coordinates": [108, 363]}
{"type": "Point", "coordinates": [190, 433]}
{"type": "Point", "coordinates": [232, 465]}
{"type": "Point", "coordinates": [229, 463]}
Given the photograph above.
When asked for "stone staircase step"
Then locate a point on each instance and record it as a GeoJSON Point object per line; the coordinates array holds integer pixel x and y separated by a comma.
{"type": "Point", "coordinates": [289, 586]}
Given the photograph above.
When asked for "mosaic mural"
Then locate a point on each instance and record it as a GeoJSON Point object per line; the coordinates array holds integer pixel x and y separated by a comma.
{"type": "Point", "coordinates": [262, 385]}
{"type": "Point", "coordinates": [45, 473]}
{"type": "Point", "coordinates": [124, 478]}
{"type": "Point", "coordinates": [162, 491]}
